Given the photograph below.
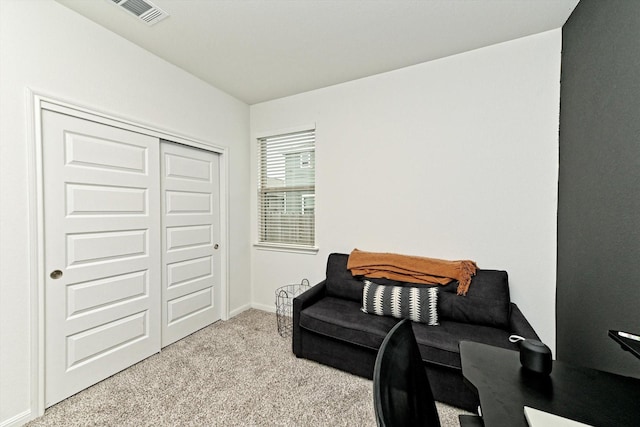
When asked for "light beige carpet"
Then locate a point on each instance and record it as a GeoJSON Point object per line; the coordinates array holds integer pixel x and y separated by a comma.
{"type": "Point", "coordinates": [234, 373]}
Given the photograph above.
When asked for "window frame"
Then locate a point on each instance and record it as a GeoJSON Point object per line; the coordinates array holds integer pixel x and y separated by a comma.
{"type": "Point", "coordinates": [305, 162]}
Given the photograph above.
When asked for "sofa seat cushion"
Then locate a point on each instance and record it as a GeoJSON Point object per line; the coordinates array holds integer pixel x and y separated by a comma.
{"type": "Point", "coordinates": [439, 344]}
{"type": "Point", "coordinates": [342, 319]}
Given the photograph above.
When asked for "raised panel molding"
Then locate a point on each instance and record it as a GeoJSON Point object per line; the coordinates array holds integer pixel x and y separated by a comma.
{"type": "Point", "coordinates": [188, 237]}
{"type": "Point", "coordinates": [187, 168]}
{"type": "Point", "coordinates": [187, 271]}
{"type": "Point", "coordinates": [87, 296]}
{"type": "Point", "coordinates": [93, 343]}
{"type": "Point", "coordinates": [105, 200]}
{"type": "Point", "coordinates": [88, 151]}
{"type": "Point", "coordinates": [190, 304]}
{"type": "Point", "coordinates": [88, 248]}
{"type": "Point", "coordinates": [183, 202]}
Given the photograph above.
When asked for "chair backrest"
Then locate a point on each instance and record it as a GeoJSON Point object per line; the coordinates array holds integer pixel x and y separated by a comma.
{"type": "Point", "coordinates": [401, 391]}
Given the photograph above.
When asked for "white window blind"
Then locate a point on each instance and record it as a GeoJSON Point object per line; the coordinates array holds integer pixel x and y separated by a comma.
{"type": "Point", "coordinates": [286, 191]}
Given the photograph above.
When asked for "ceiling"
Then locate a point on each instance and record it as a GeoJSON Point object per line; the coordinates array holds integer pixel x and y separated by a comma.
{"type": "Point", "coordinates": [258, 50]}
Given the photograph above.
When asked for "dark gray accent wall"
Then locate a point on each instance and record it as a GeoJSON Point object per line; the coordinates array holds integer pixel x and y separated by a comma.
{"type": "Point", "coordinates": [598, 280]}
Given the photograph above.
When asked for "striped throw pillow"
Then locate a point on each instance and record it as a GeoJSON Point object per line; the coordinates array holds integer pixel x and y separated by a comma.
{"type": "Point", "coordinates": [420, 304]}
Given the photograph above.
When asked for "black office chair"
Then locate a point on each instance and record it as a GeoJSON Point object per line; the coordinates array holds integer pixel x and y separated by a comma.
{"type": "Point", "coordinates": [401, 392]}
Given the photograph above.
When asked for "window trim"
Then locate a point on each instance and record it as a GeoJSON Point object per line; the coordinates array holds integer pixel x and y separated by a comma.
{"type": "Point", "coordinates": [283, 247]}
{"type": "Point", "coordinates": [277, 246]}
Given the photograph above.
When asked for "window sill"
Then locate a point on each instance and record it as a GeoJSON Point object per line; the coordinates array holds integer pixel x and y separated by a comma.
{"type": "Point", "coordinates": [281, 247]}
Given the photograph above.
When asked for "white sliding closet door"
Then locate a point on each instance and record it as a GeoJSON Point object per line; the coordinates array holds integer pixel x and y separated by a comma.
{"type": "Point", "coordinates": [191, 233]}
{"type": "Point", "coordinates": [102, 251]}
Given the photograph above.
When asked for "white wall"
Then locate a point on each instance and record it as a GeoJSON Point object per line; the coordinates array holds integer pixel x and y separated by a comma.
{"type": "Point", "coordinates": [456, 159]}
{"type": "Point", "coordinates": [48, 48]}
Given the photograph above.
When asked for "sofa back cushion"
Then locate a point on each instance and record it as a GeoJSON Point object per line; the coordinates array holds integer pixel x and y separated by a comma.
{"type": "Point", "coordinates": [487, 302]}
{"type": "Point", "coordinates": [340, 281]}
{"type": "Point", "coordinates": [342, 284]}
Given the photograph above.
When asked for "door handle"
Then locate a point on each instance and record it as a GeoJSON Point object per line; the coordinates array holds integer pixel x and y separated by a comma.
{"type": "Point", "coordinates": [216, 246]}
{"type": "Point", "coordinates": [56, 274]}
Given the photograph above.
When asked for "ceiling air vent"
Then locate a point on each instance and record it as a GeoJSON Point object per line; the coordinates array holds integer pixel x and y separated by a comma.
{"type": "Point", "coordinates": [143, 9]}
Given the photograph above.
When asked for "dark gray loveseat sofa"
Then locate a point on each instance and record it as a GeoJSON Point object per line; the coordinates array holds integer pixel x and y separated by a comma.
{"type": "Point", "coordinates": [330, 328]}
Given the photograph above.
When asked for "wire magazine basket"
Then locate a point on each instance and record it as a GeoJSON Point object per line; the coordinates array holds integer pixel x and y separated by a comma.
{"type": "Point", "coordinates": [284, 305]}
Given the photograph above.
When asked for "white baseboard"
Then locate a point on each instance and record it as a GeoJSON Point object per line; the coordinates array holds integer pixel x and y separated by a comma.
{"type": "Point", "coordinates": [264, 307]}
{"type": "Point", "coordinates": [239, 310]}
{"type": "Point", "coordinates": [17, 420]}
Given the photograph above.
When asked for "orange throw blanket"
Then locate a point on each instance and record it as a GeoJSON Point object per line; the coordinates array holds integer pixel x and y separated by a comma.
{"type": "Point", "coordinates": [413, 269]}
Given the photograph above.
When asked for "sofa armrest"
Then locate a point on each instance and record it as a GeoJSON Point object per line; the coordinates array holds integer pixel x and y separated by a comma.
{"type": "Point", "coordinates": [302, 301]}
{"type": "Point", "coordinates": [519, 325]}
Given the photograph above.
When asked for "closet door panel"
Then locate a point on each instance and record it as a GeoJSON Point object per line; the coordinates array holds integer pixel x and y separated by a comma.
{"type": "Point", "coordinates": [191, 229]}
{"type": "Point", "coordinates": [102, 251]}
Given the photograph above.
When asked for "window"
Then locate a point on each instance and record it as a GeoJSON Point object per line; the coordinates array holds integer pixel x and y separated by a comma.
{"type": "Point", "coordinates": [286, 189]}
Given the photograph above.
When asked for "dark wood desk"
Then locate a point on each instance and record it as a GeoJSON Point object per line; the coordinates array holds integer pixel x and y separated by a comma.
{"type": "Point", "coordinates": [593, 397]}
